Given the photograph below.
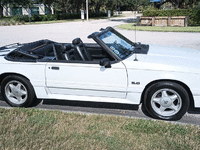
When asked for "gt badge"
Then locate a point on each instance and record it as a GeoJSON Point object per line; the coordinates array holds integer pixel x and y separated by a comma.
{"type": "Point", "coordinates": [137, 83]}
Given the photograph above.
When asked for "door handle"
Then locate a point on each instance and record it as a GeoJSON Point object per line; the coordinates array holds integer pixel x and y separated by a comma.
{"type": "Point", "coordinates": [55, 68]}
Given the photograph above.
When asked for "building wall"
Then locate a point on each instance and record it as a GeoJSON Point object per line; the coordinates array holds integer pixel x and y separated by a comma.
{"type": "Point", "coordinates": [7, 11]}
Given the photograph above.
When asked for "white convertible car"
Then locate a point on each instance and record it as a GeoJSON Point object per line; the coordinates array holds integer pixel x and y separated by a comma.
{"type": "Point", "coordinates": [114, 70]}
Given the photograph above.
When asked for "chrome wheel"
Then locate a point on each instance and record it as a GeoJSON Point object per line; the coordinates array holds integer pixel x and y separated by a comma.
{"type": "Point", "coordinates": [16, 92]}
{"type": "Point", "coordinates": [166, 102]}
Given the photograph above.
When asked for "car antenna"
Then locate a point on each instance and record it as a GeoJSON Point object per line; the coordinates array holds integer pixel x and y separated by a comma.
{"type": "Point", "coordinates": [135, 32]}
{"type": "Point", "coordinates": [135, 43]}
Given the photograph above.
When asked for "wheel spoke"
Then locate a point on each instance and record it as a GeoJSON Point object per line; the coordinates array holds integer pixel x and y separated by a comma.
{"type": "Point", "coordinates": [173, 97]}
{"type": "Point", "coordinates": [10, 94]}
{"type": "Point", "coordinates": [18, 87]}
{"type": "Point", "coordinates": [173, 107]}
{"type": "Point", "coordinates": [162, 109]}
{"type": "Point", "coordinates": [164, 94]}
{"type": "Point", "coordinates": [156, 100]}
{"type": "Point", "coordinates": [19, 98]}
{"type": "Point", "coordinates": [22, 92]}
{"type": "Point", "coordinates": [12, 87]}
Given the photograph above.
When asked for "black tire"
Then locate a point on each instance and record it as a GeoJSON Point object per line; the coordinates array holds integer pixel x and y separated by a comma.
{"type": "Point", "coordinates": [166, 100]}
{"type": "Point", "coordinates": [17, 91]}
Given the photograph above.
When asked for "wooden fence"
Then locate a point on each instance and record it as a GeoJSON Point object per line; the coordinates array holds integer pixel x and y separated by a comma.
{"type": "Point", "coordinates": [180, 21]}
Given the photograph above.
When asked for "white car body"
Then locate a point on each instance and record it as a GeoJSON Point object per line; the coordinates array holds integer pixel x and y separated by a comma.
{"type": "Point", "coordinates": [125, 82]}
{"type": "Point", "coordinates": [92, 82]}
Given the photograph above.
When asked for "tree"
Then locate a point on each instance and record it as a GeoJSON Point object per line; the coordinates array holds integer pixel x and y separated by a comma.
{"type": "Point", "coordinates": [47, 3]}
{"type": "Point", "coordinates": [183, 3]}
{"type": "Point", "coordinates": [1, 8]}
{"type": "Point", "coordinates": [96, 5]}
{"type": "Point", "coordinates": [132, 5]}
{"type": "Point", "coordinates": [14, 3]}
{"type": "Point", "coordinates": [76, 5]}
{"type": "Point", "coordinates": [3, 3]}
{"type": "Point", "coordinates": [62, 5]}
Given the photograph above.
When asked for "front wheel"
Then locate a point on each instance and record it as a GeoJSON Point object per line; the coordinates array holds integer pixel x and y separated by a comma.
{"type": "Point", "coordinates": [166, 100]}
{"type": "Point", "coordinates": [17, 91]}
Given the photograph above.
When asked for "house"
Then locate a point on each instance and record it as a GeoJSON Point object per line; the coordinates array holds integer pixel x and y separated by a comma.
{"type": "Point", "coordinates": [37, 9]}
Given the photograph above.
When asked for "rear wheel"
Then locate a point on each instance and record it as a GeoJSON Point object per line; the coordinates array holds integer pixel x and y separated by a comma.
{"type": "Point", "coordinates": [166, 100]}
{"type": "Point", "coordinates": [17, 91]}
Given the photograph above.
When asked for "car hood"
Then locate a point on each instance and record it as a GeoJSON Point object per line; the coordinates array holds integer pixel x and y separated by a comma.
{"type": "Point", "coordinates": [165, 51]}
{"type": "Point", "coordinates": [166, 59]}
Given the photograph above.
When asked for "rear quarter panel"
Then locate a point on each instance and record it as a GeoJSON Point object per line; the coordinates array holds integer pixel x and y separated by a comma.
{"type": "Point", "coordinates": [34, 71]}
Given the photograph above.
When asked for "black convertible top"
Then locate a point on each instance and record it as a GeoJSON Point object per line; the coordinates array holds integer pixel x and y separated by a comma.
{"type": "Point", "coordinates": [34, 51]}
{"type": "Point", "coordinates": [44, 50]}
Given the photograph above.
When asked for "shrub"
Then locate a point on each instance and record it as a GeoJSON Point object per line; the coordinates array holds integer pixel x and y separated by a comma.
{"type": "Point", "coordinates": [22, 19]}
{"type": "Point", "coordinates": [51, 17]}
{"type": "Point", "coordinates": [94, 15]}
{"type": "Point", "coordinates": [36, 18]}
{"type": "Point", "coordinates": [194, 14]}
{"type": "Point", "coordinates": [45, 18]}
{"type": "Point", "coordinates": [11, 21]}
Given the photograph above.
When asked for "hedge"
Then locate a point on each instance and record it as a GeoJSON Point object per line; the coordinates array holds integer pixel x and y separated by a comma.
{"type": "Point", "coordinates": [194, 14]}
{"type": "Point", "coordinates": [55, 17]}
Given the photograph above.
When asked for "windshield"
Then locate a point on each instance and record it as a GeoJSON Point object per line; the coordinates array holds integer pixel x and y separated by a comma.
{"type": "Point", "coordinates": [121, 46]}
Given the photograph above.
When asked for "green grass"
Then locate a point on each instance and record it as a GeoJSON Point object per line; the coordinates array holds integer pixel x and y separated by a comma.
{"type": "Point", "coordinates": [44, 129]}
{"type": "Point", "coordinates": [130, 26]}
{"type": "Point", "coordinates": [9, 22]}
{"type": "Point", "coordinates": [68, 20]}
{"type": "Point", "coordinates": [54, 21]}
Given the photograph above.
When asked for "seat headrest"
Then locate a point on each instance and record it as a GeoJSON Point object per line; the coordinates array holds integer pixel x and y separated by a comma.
{"type": "Point", "coordinates": [68, 46]}
{"type": "Point", "coordinates": [76, 41]}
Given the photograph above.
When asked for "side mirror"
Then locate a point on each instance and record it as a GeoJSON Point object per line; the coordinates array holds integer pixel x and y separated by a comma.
{"type": "Point", "coordinates": [105, 62]}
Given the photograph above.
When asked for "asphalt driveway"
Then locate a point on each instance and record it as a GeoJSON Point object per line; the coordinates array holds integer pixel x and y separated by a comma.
{"type": "Point", "coordinates": [66, 32]}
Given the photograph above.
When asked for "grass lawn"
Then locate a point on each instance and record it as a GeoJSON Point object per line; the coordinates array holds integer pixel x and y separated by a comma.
{"type": "Point", "coordinates": [43, 129]}
{"type": "Point", "coordinates": [9, 21]}
{"type": "Point", "coordinates": [130, 26]}
{"type": "Point", "coordinates": [54, 21]}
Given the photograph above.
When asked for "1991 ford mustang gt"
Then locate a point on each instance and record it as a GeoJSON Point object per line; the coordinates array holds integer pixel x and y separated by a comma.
{"type": "Point", "coordinates": [115, 70]}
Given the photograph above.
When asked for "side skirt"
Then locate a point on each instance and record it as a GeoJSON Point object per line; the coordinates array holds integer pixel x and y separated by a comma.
{"type": "Point", "coordinates": [131, 98]}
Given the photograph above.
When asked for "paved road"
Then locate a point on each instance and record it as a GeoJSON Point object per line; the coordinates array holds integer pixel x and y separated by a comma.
{"type": "Point", "coordinates": [66, 32]}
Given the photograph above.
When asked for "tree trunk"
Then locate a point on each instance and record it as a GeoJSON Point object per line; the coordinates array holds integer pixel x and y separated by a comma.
{"type": "Point", "coordinates": [157, 5]}
{"type": "Point", "coordinates": [63, 9]}
{"type": "Point", "coordinates": [1, 11]}
{"type": "Point", "coordinates": [77, 9]}
{"type": "Point", "coordinates": [49, 9]}
{"type": "Point", "coordinates": [97, 8]}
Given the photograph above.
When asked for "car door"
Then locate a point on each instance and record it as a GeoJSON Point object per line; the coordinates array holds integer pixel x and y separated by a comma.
{"type": "Point", "coordinates": [86, 79]}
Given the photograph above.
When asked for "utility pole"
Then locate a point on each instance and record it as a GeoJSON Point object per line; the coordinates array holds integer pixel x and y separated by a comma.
{"type": "Point", "coordinates": [87, 10]}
